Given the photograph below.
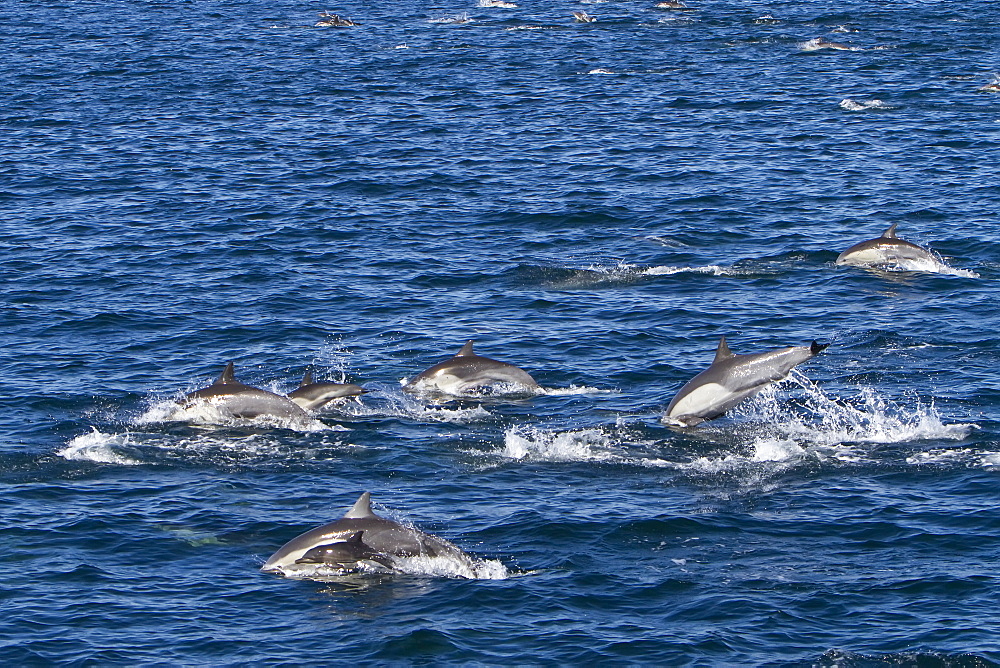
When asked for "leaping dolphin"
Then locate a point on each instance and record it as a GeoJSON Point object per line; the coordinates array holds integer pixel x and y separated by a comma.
{"type": "Point", "coordinates": [311, 396]}
{"type": "Point", "coordinates": [732, 378]}
{"type": "Point", "coordinates": [467, 371]}
{"type": "Point", "coordinates": [888, 249]}
{"type": "Point", "coordinates": [244, 401]}
{"type": "Point", "coordinates": [359, 533]}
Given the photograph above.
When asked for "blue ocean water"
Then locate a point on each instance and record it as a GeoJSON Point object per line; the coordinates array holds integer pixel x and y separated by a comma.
{"type": "Point", "coordinates": [184, 184]}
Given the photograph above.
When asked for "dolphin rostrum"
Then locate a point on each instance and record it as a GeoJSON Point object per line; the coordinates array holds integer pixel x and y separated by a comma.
{"type": "Point", "coordinates": [732, 378]}
{"type": "Point", "coordinates": [311, 396]}
{"type": "Point", "coordinates": [244, 401]}
{"type": "Point", "coordinates": [888, 249]}
{"type": "Point", "coordinates": [373, 539]}
{"type": "Point", "coordinates": [467, 371]}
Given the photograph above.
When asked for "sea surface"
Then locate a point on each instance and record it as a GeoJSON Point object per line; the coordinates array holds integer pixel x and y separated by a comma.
{"type": "Point", "coordinates": [184, 184]}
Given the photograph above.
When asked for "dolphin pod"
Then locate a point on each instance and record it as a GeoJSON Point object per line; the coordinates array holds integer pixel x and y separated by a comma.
{"type": "Point", "coordinates": [358, 541]}
{"type": "Point", "coordinates": [245, 401]}
{"type": "Point", "coordinates": [730, 379]}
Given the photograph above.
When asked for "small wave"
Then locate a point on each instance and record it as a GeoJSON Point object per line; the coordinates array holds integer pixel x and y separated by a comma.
{"type": "Point", "coordinates": [600, 70]}
{"type": "Point", "coordinates": [849, 104]}
{"type": "Point", "coordinates": [98, 447]}
{"type": "Point", "coordinates": [766, 19]}
{"type": "Point", "coordinates": [524, 28]}
{"type": "Point", "coordinates": [623, 272]}
{"type": "Point", "coordinates": [573, 390]}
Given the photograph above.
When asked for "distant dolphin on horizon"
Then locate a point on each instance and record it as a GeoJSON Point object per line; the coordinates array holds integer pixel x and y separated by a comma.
{"type": "Point", "coordinates": [245, 401]}
{"type": "Point", "coordinates": [818, 43]}
{"type": "Point", "coordinates": [360, 540]}
{"type": "Point", "coordinates": [887, 249]}
{"type": "Point", "coordinates": [310, 395]}
{"type": "Point", "coordinates": [467, 371]}
{"type": "Point", "coordinates": [730, 379]}
{"type": "Point", "coordinates": [328, 20]}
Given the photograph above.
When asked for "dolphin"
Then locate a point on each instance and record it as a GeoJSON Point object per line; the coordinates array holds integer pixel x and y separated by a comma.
{"type": "Point", "coordinates": [349, 555]}
{"type": "Point", "coordinates": [468, 371]}
{"type": "Point", "coordinates": [311, 396]}
{"type": "Point", "coordinates": [888, 249]}
{"type": "Point", "coordinates": [328, 20]}
{"type": "Point", "coordinates": [244, 401]}
{"type": "Point", "coordinates": [817, 43]}
{"type": "Point", "coordinates": [584, 17]}
{"type": "Point", "coordinates": [732, 378]}
{"type": "Point", "coordinates": [383, 540]}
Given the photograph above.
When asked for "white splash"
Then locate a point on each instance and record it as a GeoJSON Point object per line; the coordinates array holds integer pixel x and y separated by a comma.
{"type": "Point", "coordinates": [390, 404]}
{"type": "Point", "coordinates": [573, 390]}
{"type": "Point", "coordinates": [500, 4]}
{"type": "Point", "coordinates": [461, 18]}
{"type": "Point", "coordinates": [558, 446]}
{"type": "Point", "coordinates": [868, 418]}
{"type": "Point", "coordinates": [849, 104]}
{"type": "Point", "coordinates": [932, 266]}
{"type": "Point", "coordinates": [448, 567]}
{"type": "Point", "coordinates": [98, 447]}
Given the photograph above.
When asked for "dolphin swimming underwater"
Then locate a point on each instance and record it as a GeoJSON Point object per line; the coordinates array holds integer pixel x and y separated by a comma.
{"type": "Point", "coordinates": [311, 396]}
{"type": "Point", "coordinates": [380, 540]}
{"type": "Point", "coordinates": [245, 401]}
{"type": "Point", "coordinates": [888, 249]}
{"type": "Point", "coordinates": [468, 371]}
{"type": "Point", "coordinates": [732, 378]}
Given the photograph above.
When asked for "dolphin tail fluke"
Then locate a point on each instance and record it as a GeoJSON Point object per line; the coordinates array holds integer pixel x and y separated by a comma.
{"type": "Point", "coordinates": [816, 348]}
{"type": "Point", "coordinates": [227, 375]}
{"type": "Point", "coordinates": [722, 352]}
{"type": "Point", "coordinates": [307, 379]}
{"type": "Point", "coordinates": [890, 233]}
{"type": "Point", "coordinates": [362, 507]}
{"type": "Point", "coordinates": [466, 350]}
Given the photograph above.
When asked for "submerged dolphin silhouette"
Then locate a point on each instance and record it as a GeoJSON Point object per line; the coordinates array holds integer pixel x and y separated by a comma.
{"type": "Point", "coordinates": [311, 396]}
{"type": "Point", "coordinates": [385, 538]}
{"type": "Point", "coordinates": [468, 371]}
{"type": "Point", "coordinates": [245, 401]}
{"type": "Point", "coordinates": [732, 378]}
{"type": "Point", "coordinates": [888, 249]}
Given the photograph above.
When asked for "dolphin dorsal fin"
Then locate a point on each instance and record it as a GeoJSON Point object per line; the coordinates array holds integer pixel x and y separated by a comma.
{"type": "Point", "coordinates": [355, 538]}
{"type": "Point", "coordinates": [890, 233]}
{"type": "Point", "coordinates": [307, 379]}
{"type": "Point", "coordinates": [361, 509]}
{"type": "Point", "coordinates": [466, 350]}
{"type": "Point", "coordinates": [226, 376]}
{"type": "Point", "coordinates": [722, 352]}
